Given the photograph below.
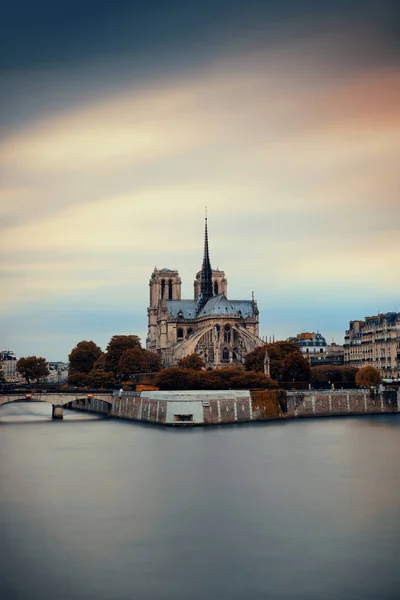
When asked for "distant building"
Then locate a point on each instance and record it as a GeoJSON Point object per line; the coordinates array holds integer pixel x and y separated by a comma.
{"type": "Point", "coordinates": [314, 347]}
{"type": "Point", "coordinates": [8, 363]}
{"type": "Point", "coordinates": [58, 372]}
{"type": "Point", "coordinates": [375, 341]}
{"type": "Point", "coordinates": [222, 331]}
{"type": "Point", "coordinates": [310, 343]}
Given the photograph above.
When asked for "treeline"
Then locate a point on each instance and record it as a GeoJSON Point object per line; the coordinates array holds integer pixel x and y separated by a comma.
{"type": "Point", "coordinates": [124, 357]}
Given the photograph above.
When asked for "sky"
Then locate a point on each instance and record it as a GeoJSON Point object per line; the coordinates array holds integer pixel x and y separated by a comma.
{"type": "Point", "coordinates": [120, 121]}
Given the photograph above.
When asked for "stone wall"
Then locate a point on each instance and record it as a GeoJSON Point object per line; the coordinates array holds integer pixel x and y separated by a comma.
{"type": "Point", "coordinates": [182, 408]}
{"type": "Point", "coordinates": [340, 402]}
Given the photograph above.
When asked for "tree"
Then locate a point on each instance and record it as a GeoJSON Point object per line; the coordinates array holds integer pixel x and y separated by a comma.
{"type": "Point", "coordinates": [101, 379]}
{"type": "Point", "coordinates": [277, 352]}
{"type": "Point", "coordinates": [33, 368]}
{"type": "Point", "coordinates": [116, 346]}
{"type": "Point", "coordinates": [368, 376]}
{"type": "Point", "coordinates": [324, 375]}
{"type": "Point", "coordinates": [133, 361]}
{"type": "Point", "coordinates": [78, 379]}
{"type": "Point", "coordinates": [295, 368]}
{"type": "Point", "coordinates": [154, 361]}
{"type": "Point", "coordinates": [192, 361]}
{"type": "Point", "coordinates": [2, 377]}
{"type": "Point", "coordinates": [83, 357]}
{"type": "Point", "coordinates": [178, 378]}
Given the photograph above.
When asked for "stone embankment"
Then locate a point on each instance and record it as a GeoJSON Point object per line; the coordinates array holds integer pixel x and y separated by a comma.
{"type": "Point", "coordinates": [240, 406]}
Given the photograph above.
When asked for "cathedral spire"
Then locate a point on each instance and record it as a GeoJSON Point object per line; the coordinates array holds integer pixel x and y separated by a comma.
{"type": "Point", "coordinates": [206, 288]}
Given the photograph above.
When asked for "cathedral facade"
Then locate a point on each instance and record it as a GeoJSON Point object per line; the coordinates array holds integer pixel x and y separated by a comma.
{"type": "Point", "coordinates": [222, 331]}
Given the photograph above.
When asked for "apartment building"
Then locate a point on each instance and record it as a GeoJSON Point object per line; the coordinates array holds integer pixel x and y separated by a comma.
{"type": "Point", "coordinates": [375, 341]}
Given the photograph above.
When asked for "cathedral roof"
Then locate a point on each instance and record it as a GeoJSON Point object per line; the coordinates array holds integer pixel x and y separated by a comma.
{"type": "Point", "coordinates": [187, 308]}
{"type": "Point", "coordinates": [220, 305]}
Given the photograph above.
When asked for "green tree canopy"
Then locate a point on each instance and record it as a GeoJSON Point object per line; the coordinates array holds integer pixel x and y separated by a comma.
{"type": "Point", "coordinates": [83, 357]}
{"type": "Point", "coordinates": [368, 376]}
{"type": "Point", "coordinates": [116, 346]}
{"type": "Point", "coordinates": [192, 361]}
{"type": "Point", "coordinates": [33, 368]}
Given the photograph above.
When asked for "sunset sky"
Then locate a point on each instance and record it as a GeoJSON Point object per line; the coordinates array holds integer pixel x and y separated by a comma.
{"type": "Point", "coordinates": [121, 120]}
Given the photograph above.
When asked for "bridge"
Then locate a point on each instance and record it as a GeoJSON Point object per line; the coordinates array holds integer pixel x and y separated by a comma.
{"type": "Point", "coordinates": [58, 400]}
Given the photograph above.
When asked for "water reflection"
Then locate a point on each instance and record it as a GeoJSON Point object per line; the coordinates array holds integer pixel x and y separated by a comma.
{"type": "Point", "coordinates": [109, 509]}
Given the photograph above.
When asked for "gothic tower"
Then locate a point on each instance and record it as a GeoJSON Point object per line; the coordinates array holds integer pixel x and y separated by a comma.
{"type": "Point", "coordinates": [165, 284]}
{"type": "Point", "coordinates": [206, 284]}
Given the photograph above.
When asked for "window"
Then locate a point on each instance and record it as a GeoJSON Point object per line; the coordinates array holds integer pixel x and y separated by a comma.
{"type": "Point", "coordinates": [227, 333]}
{"type": "Point", "coordinates": [189, 331]}
{"type": "Point", "coordinates": [180, 333]}
{"type": "Point", "coordinates": [215, 288]}
{"type": "Point", "coordinates": [170, 290]}
{"type": "Point", "coordinates": [162, 288]}
{"type": "Point", "coordinates": [225, 355]}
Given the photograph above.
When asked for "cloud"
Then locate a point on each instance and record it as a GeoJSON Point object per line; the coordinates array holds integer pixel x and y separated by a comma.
{"type": "Point", "coordinates": [298, 168]}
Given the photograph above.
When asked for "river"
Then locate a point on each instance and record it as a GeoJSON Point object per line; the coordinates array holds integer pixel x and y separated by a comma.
{"type": "Point", "coordinates": [100, 509]}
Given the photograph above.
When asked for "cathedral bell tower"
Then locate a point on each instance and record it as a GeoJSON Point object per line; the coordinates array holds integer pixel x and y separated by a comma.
{"type": "Point", "coordinates": [165, 284]}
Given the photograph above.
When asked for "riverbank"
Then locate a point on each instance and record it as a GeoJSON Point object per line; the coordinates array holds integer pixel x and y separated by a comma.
{"type": "Point", "coordinates": [205, 407]}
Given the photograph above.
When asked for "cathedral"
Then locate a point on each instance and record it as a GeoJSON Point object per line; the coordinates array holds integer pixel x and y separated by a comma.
{"type": "Point", "coordinates": [222, 331]}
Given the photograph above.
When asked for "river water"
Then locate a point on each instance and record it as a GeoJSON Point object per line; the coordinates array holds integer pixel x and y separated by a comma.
{"type": "Point", "coordinates": [101, 509]}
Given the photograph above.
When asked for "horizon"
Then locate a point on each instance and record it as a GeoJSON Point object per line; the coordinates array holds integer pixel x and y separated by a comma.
{"type": "Point", "coordinates": [120, 123]}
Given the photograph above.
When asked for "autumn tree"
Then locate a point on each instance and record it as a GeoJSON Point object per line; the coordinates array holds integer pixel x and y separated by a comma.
{"type": "Point", "coordinates": [324, 375]}
{"type": "Point", "coordinates": [116, 346]}
{"type": "Point", "coordinates": [368, 376]}
{"type": "Point", "coordinates": [78, 379]}
{"type": "Point", "coordinates": [101, 379]}
{"type": "Point", "coordinates": [2, 377]}
{"type": "Point", "coordinates": [83, 357]}
{"type": "Point", "coordinates": [178, 378]}
{"type": "Point", "coordinates": [295, 368]}
{"type": "Point", "coordinates": [192, 361]}
{"type": "Point", "coordinates": [133, 361]}
{"type": "Point", "coordinates": [277, 352]}
{"type": "Point", "coordinates": [154, 359]}
{"type": "Point", "coordinates": [33, 368]}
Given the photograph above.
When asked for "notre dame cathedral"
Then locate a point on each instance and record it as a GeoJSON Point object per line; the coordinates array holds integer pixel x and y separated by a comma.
{"type": "Point", "coordinates": [222, 331]}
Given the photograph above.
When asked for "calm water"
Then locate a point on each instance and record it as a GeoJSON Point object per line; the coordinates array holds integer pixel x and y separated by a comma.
{"type": "Point", "coordinates": [111, 510]}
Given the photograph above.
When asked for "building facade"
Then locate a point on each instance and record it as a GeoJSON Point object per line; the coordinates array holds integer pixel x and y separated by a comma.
{"type": "Point", "coordinates": [8, 365]}
{"type": "Point", "coordinates": [222, 331]}
{"type": "Point", "coordinates": [375, 341]}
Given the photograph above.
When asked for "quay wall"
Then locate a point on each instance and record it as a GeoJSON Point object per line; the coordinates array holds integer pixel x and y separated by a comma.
{"type": "Point", "coordinates": [205, 407]}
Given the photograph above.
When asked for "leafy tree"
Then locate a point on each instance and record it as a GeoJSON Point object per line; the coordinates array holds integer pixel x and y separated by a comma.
{"type": "Point", "coordinates": [79, 379]}
{"type": "Point", "coordinates": [116, 346]}
{"type": "Point", "coordinates": [132, 361]}
{"type": "Point", "coordinates": [178, 378]}
{"type": "Point", "coordinates": [83, 357]}
{"type": "Point", "coordinates": [154, 361]}
{"type": "Point", "coordinates": [295, 368]}
{"type": "Point", "coordinates": [101, 379]}
{"type": "Point", "coordinates": [368, 376]}
{"type": "Point", "coordinates": [277, 352]}
{"type": "Point", "coordinates": [33, 368]}
{"type": "Point", "coordinates": [192, 361]}
{"type": "Point", "coordinates": [2, 377]}
{"type": "Point", "coordinates": [323, 375]}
